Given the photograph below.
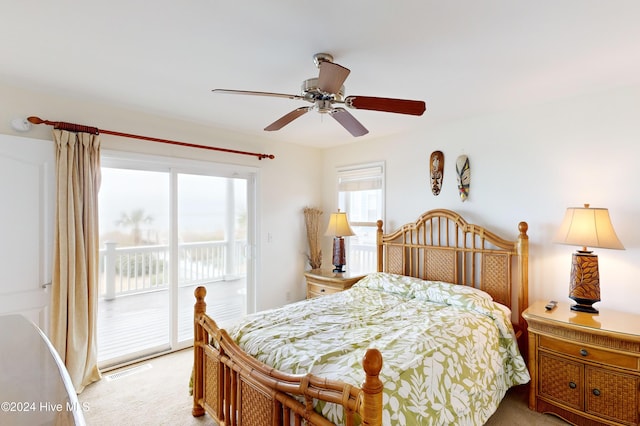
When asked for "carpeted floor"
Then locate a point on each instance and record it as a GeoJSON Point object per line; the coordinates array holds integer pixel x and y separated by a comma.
{"type": "Point", "coordinates": [158, 395]}
{"type": "Point", "coordinates": [156, 392]}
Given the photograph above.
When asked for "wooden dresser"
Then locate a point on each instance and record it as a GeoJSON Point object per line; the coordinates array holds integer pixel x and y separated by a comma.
{"type": "Point", "coordinates": [585, 368]}
{"type": "Point", "coordinates": [321, 282]}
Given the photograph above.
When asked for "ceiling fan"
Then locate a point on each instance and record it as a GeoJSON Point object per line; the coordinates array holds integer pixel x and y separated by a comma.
{"type": "Point", "coordinates": [327, 90]}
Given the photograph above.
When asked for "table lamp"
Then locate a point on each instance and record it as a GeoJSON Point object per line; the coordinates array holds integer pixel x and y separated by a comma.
{"type": "Point", "coordinates": [338, 228]}
{"type": "Point", "coordinates": [586, 227]}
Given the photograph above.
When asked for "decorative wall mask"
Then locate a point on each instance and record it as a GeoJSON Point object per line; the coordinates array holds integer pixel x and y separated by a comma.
{"type": "Point", "coordinates": [436, 166]}
{"type": "Point", "coordinates": [464, 176]}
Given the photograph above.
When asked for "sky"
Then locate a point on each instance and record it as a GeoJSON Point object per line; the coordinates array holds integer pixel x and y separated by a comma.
{"type": "Point", "coordinates": [201, 201]}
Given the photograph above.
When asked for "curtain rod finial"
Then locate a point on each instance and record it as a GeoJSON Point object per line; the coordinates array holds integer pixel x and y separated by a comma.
{"type": "Point", "coordinates": [35, 120]}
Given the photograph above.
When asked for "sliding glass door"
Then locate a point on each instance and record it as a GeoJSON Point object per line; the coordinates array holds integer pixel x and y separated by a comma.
{"type": "Point", "coordinates": [166, 227]}
{"type": "Point", "coordinates": [212, 247]}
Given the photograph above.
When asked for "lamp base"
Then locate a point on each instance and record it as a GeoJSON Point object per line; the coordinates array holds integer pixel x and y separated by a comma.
{"type": "Point", "coordinates": [585, 282]}
{"type": "Point", "coordinates": [584, 308]}
{"type": "Point", "coordinates": [339, 255]}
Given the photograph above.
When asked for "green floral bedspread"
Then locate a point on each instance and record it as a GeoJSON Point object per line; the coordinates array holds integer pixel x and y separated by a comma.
{"type": "Point", "coordinates": [449, 353]}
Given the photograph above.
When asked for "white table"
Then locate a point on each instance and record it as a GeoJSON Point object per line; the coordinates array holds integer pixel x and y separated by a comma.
{"type": "Point", "coordinates": [35, 388]}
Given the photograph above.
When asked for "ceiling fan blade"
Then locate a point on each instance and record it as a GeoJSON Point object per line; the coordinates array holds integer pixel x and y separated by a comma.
{"type": "Point", "coordinates": [287, 118]}
{"type": "Point", "coordinates": [398, 106]}
{"type": "Point", "coordinates": [250, 92]}
{"type": "Point", "coordinates": [331, 77]}
{"type": "Point", "coordinates": [348, 121]}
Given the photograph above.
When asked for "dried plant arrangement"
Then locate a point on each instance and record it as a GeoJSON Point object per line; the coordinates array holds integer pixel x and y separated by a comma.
{"type": "Point", "coordinates": [312, 222]}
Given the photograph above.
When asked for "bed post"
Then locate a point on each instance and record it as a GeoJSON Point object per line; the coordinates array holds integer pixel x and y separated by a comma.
{"type": "Point", "coordinates": [523, 270]}
{"type": "Point", "coordinates": [372, 386]}
{"type": "Point", "coordinates": [199, 309]}
{"type": "Point", "coordinates": [379, 246]}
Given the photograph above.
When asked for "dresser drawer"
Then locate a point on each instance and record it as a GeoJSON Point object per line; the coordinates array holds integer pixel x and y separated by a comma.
{"type": "Point", "coordinates": [314, 289]}
{"type": "Point", "coordinates": [589, 353]}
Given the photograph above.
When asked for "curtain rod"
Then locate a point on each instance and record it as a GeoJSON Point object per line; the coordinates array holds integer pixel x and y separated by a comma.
{"type": "Point", "coordinates": [88, 129]}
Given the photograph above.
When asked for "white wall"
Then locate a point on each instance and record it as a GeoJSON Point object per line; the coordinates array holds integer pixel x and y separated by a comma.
{"type": "Point", "coordinates": [281, 199]}
{"type": "Point", "coordinates": [530, 164]}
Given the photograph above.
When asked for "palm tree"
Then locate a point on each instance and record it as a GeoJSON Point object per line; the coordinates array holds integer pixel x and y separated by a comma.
{"type": "Point", "coordinates": [134, 220]}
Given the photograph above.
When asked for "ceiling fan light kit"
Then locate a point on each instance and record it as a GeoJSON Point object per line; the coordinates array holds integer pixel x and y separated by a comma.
{"type": "Point", "coordinates": [326, 90]}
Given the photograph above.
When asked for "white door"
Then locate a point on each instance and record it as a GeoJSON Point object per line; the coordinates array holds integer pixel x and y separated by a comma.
{"type": "Point", "coordinates": [27, 194]}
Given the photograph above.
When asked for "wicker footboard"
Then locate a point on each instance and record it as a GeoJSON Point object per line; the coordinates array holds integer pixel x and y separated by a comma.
{"type": "Point", "coordinates": [234, 388]}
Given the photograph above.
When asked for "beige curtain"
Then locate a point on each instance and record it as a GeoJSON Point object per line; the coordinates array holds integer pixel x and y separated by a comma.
{"type": "Point", "coordinates": [75, 271]}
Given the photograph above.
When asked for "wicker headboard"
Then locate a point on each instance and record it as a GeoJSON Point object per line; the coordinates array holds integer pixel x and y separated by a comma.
{"type": "Point", "coordinates": [442, 246]}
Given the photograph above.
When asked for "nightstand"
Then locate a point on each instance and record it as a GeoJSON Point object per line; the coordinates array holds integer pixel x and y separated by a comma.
{"type": "Point", "coordinates": [585, 368]}
{"type": "Point", "coordinates": [321, 282]}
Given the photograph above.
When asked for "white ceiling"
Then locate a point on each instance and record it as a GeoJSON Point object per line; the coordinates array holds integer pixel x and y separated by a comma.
{"type": "Point", "coordinates": [463, 57]}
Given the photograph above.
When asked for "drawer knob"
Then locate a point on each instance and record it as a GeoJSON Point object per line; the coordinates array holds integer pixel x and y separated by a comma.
{"type": "Point", "coordinates": [322, 290]}
{"type": "Point", "coordinates": [596, 392]}
{"type": "Point", "coordinates": [573, 385]}
{"type": "Point", "coordinates": [584, 352]}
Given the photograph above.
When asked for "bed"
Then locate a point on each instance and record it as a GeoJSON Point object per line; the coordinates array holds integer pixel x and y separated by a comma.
{"type": "Point", "coordinates": [431, 338]}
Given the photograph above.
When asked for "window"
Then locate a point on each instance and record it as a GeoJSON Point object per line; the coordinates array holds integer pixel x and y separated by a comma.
{"type": "Point", "coordinates": [168, 225]}
{"type": "Point", "coordinates": [361, 196]}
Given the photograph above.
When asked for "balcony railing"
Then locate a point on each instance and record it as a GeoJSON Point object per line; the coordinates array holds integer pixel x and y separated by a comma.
{"type": "Point", "coordinates": [129, 326]}
{"type": "Point", "coordinates": [362, 258]}
{"type": "Point", "coordinates": [132, 270]}
{"type": "Point", "coordinates": [138, 269]}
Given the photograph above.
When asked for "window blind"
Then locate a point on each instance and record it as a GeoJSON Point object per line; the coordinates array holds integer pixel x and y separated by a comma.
{"type": "Point", "coordinates": [361, 179]}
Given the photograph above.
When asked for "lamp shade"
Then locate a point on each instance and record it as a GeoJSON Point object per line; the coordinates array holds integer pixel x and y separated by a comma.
{"type": "Point", "coordinates": [588, 227]}
{"type": "Point", "coordinates": [339, 225]}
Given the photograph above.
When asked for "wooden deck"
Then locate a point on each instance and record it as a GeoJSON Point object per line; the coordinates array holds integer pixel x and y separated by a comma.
{"type": "Point", "coordinates": [136, 325]}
